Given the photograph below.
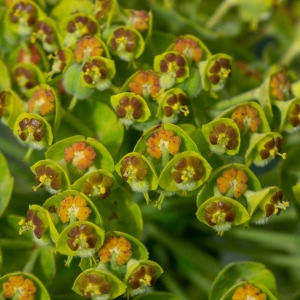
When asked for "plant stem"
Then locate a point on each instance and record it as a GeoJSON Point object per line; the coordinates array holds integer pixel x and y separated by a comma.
{"type": "Point", "coordinates": [219, 13]}
{"type": "Point", "coordinates": [31, 261]}
{"type": "Point", "coordinates": [247, 96]}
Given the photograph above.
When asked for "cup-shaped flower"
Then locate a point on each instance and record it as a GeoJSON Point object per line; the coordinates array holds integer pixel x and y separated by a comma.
{"type": "Point", "coordinates": [42, 100]}
{"type": "Point", "coordinates": [232, 180]}
{"type": "Point", "coordinates": [130, 108]}
{"type": "Point", "coordinates": [33, 130]}
{"type": "Point", "coordinates": [116, 249]}
{"type": "Point", "coordinates": [280, 86]}
{"type": "Point", "coordinates": [223, 136]}
{"type": "Point", "coordinates": [221, 213]}
{"type": "Point", "coordinates": [73, 208]}
{"type": "Point", "coordinates": [248, 291]}
{"type": "Point", "coordinates": [126, 43]}
{"type": "Point", "coordinates": [145, 83]}
{"type": "Point", "coordinates": [265, 203]}
{"type": "Point", "coordinates": [215, 71]}
{"type": "Point", "coordinates": [188, 171]}
{"type": "Point", "coordinates": [105, 10]}
{"type": "Point", "coordinates": [81, 238]}
{"type": "Point", "coordinates": [141, 275]}
{"type": "Point", "coordinates": [94, 283]}
{"type": "Point", "coordinates": [172, 105]}
{"type": "Point", "coordinates": [141, 20]}
{"type": "Point", "coordinates": [173, 68]}
{"type": "Point", "coordinates": [136, 170]}
{"type": "Point", "coordinates": [191, 47]}
{"type": "Point", "coordinates": [50, 175]}
{"type": "Point", "coordinates": [37, 222]}
{"type": "Point", "coordinates": [11, 107]}
{"type": "Point", "coordinates": [46, 31]}
{"type": "Point", "coordinates": [163, 143]}
{"type": "Point", "coordinates": [76, 26]}
{"type": "Point", "coordinates": [97, 72]}
{"type": "Point", "coordinates": [30, 54]}
{"type": "Point", "coordinates": [96, 184]}
{"type": "Point", "coordinates": [19, 287]}
{"type": "Point", "coordinates": [26, 76]}
{"type": "Point", "coordinates": [263, 148]}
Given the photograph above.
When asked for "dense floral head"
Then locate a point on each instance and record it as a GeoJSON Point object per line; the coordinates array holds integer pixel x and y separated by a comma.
{"type": "Point", "coordinates": [232, 182]}
{"type": "Point", "coordinates": [117, 249]}
{"type": "Point", "coordinates": [219, 215]}
{"type": "Point", "coordinates": [92, 285]}
{"type": "Point", "coordinates": [20, 288]}
{"type": "Point", "coordinates": [189, 47]}
{"type": "Point", "coordinates": [48, 178]}
{"type": "Point", "coordinates": [163, 141]}
{"type": "Point", "coordinates": [248, 291]}
{"type": "Point", "coordinates": [247, 117]}
{"type": "Point", "coordinates": [86, 47]}
{"type": "Point", "coordinates": [80, 155]}
{"type": "Point", "coordinates": [223, 137]}
{"type": "Point", "coordinates": [280, 86]}
{"type": "Point", "coordinates": [146, 83]}
{"type": "Point", "coordinates": [97, 185]}
{"type": "Point", "coordinates": [42, 101]}
{"type": "Point", "coordinates": [73, 208]}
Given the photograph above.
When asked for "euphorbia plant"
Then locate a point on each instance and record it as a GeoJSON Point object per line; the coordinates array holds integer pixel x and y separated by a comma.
{"type": "Point", "coordinates": [159, 142]}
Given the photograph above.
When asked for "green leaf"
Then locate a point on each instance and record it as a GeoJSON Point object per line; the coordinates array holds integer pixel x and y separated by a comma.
{"type": "Point", "coordinates": [241, 271]}
{"type": "Point", "coordinates": [121, 213]}
{"type": "Point", "coordinates": [6, 184]}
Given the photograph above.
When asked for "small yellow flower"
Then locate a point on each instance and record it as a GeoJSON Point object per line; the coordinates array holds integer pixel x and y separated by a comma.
{"type": "Point", "coordinates": [71, 207]}
{"type": "Point", "coordinates": [42, 101]}
{"type": "Point", "coordinates": [161, 140]}
{"type": "Point", "coordinates": [248, 292]}
{"type": "Point", "coordinates": [232, 181]}
{"type": "Point", "coordinates": [19, 287]}
{"type": "Point", "coordinates": [117, 248]}
{"type": "Point", "coordinates": [80, 154]}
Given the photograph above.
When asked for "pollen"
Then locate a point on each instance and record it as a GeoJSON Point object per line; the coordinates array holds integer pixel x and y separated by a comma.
{"type": "Point", "coordinates": [115, 248]}
{"type": "Point", "coordinates": [42, 102]}
{"type": "Point", "coordinates": [80, 155]}
{"type": "Point", "coordinates": [19, 287]}
{"type": "Point", "coordinates": [232, 182]}
{"type": "Point", "coordinates": [163, 140]}
{"type": "Point", "coordinates": [249, 291]}
{"type": "Point", "coordinates": [72, 208]}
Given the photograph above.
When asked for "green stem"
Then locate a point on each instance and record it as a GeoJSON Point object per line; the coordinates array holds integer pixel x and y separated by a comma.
{"type": "Point", "coordinates": [247, 96]}
{"type": "Point", "coordinates": [32, 261]}
{"type": "Point", "coordinates": [72, 103]}
{"type": "Point", "coordinates": [77, 124]}
{"type": "Point", "coordinates": [219, 13]}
